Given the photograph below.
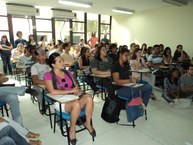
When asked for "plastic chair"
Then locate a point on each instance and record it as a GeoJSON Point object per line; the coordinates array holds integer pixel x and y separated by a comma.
{"type": "Point", "coordinates": [65, 120]}
{"type": "Point", "coordinates": [2, 107]}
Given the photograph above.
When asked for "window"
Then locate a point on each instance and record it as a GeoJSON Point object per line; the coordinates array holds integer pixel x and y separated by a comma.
{"type": "Point", "coordinates": [62, 30]}
{"type": "Point", "coordinates": [43, 25]}
{"type": "Point", "coordinates": [22, 24]}
{"type": "Point", "coordinates": [78, 27]}
{"type": "Point", "coordinates": [92, 24]}
{"type": "Point", "coordinates": [105, 19]}
{"type": "Point", "coordinates": [4, 23]}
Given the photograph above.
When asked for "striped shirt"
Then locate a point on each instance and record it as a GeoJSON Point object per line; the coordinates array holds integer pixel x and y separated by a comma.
{"type": "Point", "coordinates": [155, 59]}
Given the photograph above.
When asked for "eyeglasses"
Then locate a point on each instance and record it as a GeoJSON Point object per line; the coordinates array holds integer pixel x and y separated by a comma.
{"type": "Point", "coordinates": [65, 83]}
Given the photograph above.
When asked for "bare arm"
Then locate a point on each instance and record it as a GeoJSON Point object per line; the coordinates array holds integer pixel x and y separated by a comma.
{"type": "Point", "coordinates": [98, 72]}
{"type": "Point", "coordinates": [36, 80]}
{"type": "Point", "coordinates": [119, 81]}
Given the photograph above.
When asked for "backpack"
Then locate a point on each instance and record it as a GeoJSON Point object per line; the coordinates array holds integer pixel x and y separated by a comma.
{"type": "Point", "coordinates": [111, 109]}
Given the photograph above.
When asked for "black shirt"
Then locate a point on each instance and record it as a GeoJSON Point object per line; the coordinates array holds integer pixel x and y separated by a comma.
{"type": "Point", "coordinates": [5, 52]}
{"type": "Point", "coordinates": [123, 71]}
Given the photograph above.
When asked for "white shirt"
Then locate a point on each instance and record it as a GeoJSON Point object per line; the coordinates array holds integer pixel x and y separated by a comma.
{"type": "Point", "coordinates": [39, 70]}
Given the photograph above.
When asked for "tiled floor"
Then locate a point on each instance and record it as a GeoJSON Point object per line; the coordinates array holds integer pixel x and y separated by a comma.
{"type": "Point", "coordinates": [166, 125]}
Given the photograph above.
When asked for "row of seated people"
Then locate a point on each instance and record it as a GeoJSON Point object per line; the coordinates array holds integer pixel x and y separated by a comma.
{"type": "Point", "coordinates": [101, 64]}
{"type": "Point", "coordinates": [42, 75]}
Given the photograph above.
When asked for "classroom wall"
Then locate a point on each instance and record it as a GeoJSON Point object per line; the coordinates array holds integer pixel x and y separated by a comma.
{"type": "Point", "coordinates": [170, 25]}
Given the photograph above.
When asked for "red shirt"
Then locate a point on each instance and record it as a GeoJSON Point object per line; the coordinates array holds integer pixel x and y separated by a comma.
{"type": "Point", "coordinates": [92, 41]}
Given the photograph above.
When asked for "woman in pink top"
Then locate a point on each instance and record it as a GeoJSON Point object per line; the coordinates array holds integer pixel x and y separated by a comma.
{"type": "Point", "coordinates": [93, 40]}
{"type": "Point", "coordinates": [65, 85]}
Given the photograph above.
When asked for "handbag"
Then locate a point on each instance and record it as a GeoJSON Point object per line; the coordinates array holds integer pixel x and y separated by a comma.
{"type": "Point", "coordinates": [111, 110]}
{"type": "Point", "coordinates": [134, 108]}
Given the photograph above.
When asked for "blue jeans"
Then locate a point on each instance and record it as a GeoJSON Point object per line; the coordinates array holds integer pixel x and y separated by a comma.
{"type": "Point", "coordinates": [6, 64]}
{"type": "Point", "coordinates": [11, 133]}
{"type": "Point", "coordinates": [146, 91]}
{"type": "Point", "coordinates": [6, 141]}
{"type": "Point", "coordinates": [9, 95]}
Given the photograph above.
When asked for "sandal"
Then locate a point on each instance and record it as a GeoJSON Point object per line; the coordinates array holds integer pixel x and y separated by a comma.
{"type": "Point", "coordinates": [32, 135]}
{"type": "Point", "coordinates": [153, 97]}
{"type": "Point", "coordinates": [35, 142]}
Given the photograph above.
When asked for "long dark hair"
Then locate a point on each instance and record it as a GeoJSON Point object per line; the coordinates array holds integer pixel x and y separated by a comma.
{"type": "Point", "coordinates": [6, 41]}
{"type": "Point", "coordinates": [83, 51]}
{"type": "Point", "coordinates": [98, 52]}
{"type": "Point", "coordinates": [170, 76]}
{"type": "Point", "coordinates": [134, 56]}
{"type": "Point", "coordinates": [51, 59]}
{"type": "Point", "coordinates": [121, 51]}
{"type": "Point", "coordinates": [165, 50]}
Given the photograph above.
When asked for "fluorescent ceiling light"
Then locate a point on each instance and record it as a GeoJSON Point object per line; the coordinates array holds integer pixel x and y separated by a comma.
{"type": "Point", "coordinates": [76, 4]}
{"type": "Point", "coordinates": [176, 2]}
{"type": "Point", "coordinates": [123, 11]}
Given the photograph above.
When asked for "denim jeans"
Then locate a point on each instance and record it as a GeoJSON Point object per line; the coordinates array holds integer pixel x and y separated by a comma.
{"type": "Point", "coordinates": [145, 92]}
{"type": "Point", "coordinates": [6, 141]}
{"type": "Point", "coordinates": [9, 131]}
{"type": "Point", "coordinates": [9, 95]}
{"type": "Point", "coordinates": [6, 64]}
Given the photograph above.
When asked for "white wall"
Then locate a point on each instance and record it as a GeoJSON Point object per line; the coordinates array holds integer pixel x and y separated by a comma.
{"type": "Point", "coordinates": [171, 26]}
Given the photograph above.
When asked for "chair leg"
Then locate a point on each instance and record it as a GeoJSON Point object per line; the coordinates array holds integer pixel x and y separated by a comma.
{"type": "Point", "coordinates": [7, 110]}
{"type": "Point", "coordinates": [54, 123]}
{"type": "Point", "coordinates": [67, 131]}
{"type": "Point", "coordinates": [50, 116]}
{"type": "Point", "coordinates": [145, 114]}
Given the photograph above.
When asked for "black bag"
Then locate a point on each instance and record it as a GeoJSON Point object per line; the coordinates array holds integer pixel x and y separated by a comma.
{"type": "Point", "coordinates": [111, 110]}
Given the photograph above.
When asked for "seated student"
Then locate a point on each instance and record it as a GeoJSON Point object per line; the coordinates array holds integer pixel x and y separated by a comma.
{"type": "Point", "coordinates": [172, 85]}
{"type": "Point", "coordinates": [17, 133]}
{"type": "Point", "coordinates": [186, 82]}
{"type": "Point", "coordinates": [24, 58]}
{"type": "Point", "coordinates": [68, 58]}
{"type": "Point", "coordinates": [37, 72]}
{"type": "Point", "coordinates": [65, 84]}
{"type": "Point", "coordinates": [167, 55]}
{"type": "Point", "coordinates": [155, 61]}
{"type": "Point", "coordinates": [9, 94]}
{"type": "Point", "coordinates": [101, 65]}
{"type": "Point", "coordinates": [121, 76]}
{"type": "Point", "coordinates": [112, 53]}
{"type": "Point", "coordinates": [33, 60]}
{"type": "Point", "coordinates": [137, 63]}
{"type": "Point", "coordinates": [180, 54]}
{"type": "Point", "coordinates": [84, 64]}
{"type": "Point", "coordinates": [16, 53]}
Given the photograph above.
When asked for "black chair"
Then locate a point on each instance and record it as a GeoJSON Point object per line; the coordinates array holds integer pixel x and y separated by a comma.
{"type": "Point", "coordinates": [3, 106]}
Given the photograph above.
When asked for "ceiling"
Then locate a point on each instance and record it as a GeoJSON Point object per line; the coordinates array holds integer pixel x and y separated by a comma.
{"type": "Point", "coordinates": [99, 6]}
